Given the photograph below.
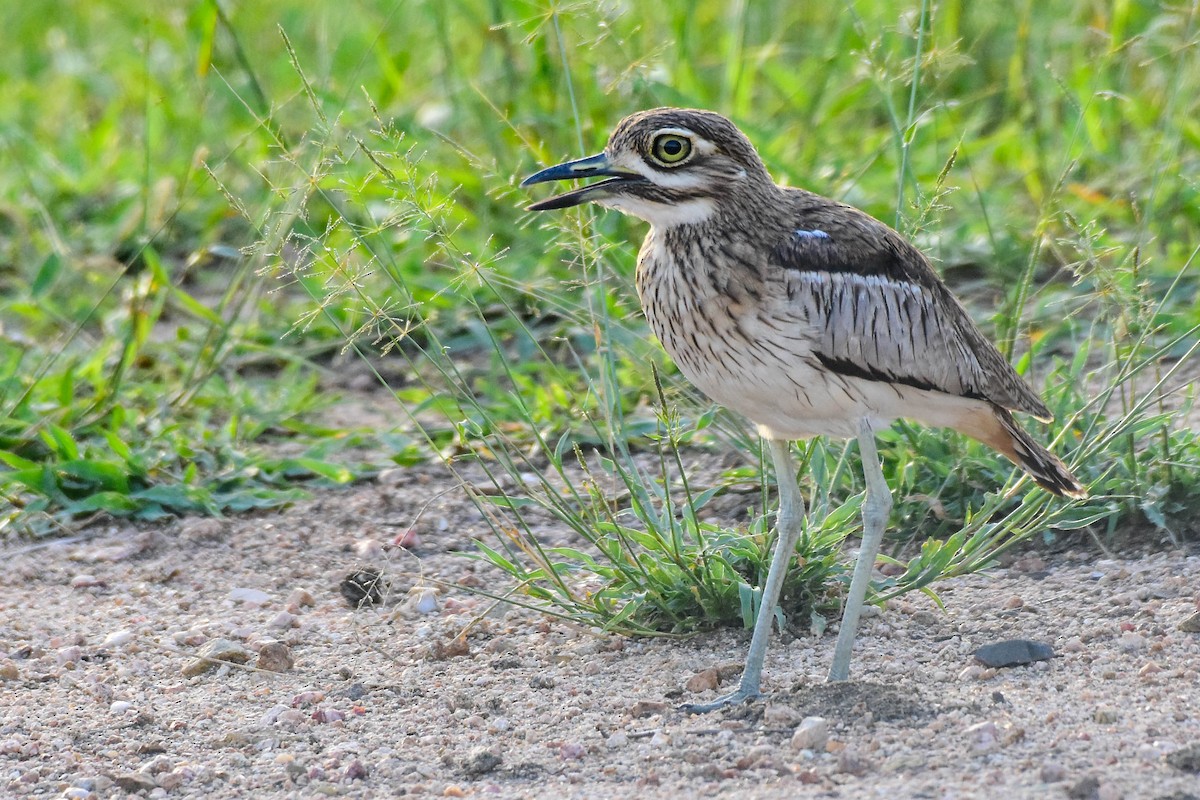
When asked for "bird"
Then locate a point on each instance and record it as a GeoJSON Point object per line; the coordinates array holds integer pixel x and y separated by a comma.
{"type": "Point", "coordinates": [805, 315]}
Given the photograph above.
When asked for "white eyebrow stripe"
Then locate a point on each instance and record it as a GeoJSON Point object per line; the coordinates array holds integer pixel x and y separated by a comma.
{"type": "Point", "coordinates": [803, 234]}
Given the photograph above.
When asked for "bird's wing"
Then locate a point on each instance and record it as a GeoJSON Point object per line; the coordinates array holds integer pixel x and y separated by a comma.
{"type": "Point", "coordinates": [878, 311]}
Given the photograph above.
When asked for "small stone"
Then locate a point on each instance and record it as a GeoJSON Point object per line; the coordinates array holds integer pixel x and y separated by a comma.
{"type": "Point", "coordinates": [660, 739]}
{"type": "Point", "coordinates": [1132, 642]}
{"type": "Point", "coordinates": [811, 734]}
{"type": "Point", "coordinates": [1149, 668]}
{"type": "Point", "coordinates": [170, 780]}
{"type": "Point", "coordinates": [851, 762]}
{"type": "Point", "coordinates": [68, 655]}
{"type": "Point", "coordinates": [134, 782]}
{"type": "Point", "coordinates": [116, 639]}
{"type": "Point", "coordinates": [1186, 758]}
{"type": "Point", "coordinates": [703, 681]}
{"type": "Point", "coordinates": [1052, 772]}
{"type": "Point", "coordinates": [215, 650]}
{"type": "Point", "coordinates": [571, 751]}
{"type": "Point", "coordinates": [453, 790]}
{"type": "Point", "coordinates": [9, 671]}
{"type": "Point", "coordinates": [85, 581]}
{"type": "Point", "coordinates": [422, 600]}
{"type": "Point", "coordinates": [983, 736]}
{"type": "Point", "coordinates": [275, 657]}
{"type": "Point", "coordinates": [647, 708]}
{"type": "Point", "coordinates": [76, 793]}
{"type": "Point", "coordinates": [1086, 788]}
{"type": "Point", "coordinates": [120, 706]}
{"type": "Point", "coordinates": [618, 739]}
{"type": "Point", "coordinates": [973, 672]}
{"type": "Point", "coordinates": [1105, 715]}
{"type": "Point", "coordinates": [250, 597]}
{"type": "Point", "coordinates": [1013, 652]}
{"type": "Point", "coordinates": [778, 715]}
{"type": "Point", "coordinates": [481, 761]}
{"type": "Point", "coordinates": [1014, 602]}
{"type": "Point", "coordinates": [409, 539]}
{"type": "Point", "coordinates": [1191, 624]}
{"type": "Point", "coordinates": [283, 620]}
{"type": "Point", "coordinates": [369, 549]}
{"type": "Point", "coordinates": [301, 597]}
{"type": "Point", "coordinates": [355, 771]}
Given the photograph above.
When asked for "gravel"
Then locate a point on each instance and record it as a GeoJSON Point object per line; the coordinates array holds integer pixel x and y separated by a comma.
{"type": "Point", "coordinates": [438, 693]}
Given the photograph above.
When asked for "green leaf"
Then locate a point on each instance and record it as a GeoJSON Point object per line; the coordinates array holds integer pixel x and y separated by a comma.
{"type": "Point", "coordinates": [46, 275]}
{"type": "Point", "coordinates": [106, 476]}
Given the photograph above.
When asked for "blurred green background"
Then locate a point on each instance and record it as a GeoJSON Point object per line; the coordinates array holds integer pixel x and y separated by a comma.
{"type": "Point", "coordinates": [207, 210]}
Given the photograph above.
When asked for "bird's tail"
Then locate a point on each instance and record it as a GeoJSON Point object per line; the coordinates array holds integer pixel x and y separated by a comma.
{"type": "Point", "coordinates": [1005, 435]}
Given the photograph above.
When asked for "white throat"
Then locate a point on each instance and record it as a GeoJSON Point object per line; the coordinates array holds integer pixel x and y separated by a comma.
{"type": "Point", "coordinates": [661, 215]}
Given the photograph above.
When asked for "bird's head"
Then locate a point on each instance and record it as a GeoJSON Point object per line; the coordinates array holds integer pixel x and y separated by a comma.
{"type": "Point", "coordinates": [668, 166]}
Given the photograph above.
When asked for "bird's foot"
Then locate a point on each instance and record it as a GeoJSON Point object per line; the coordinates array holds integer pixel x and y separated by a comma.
{"type": "Point", "coordinates": [743, 694]}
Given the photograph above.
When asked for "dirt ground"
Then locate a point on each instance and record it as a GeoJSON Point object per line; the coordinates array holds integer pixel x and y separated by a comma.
{"type": "Point", "coordinates": [101, 693]}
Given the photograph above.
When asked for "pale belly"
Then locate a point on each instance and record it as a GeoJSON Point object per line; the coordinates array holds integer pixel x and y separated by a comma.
{"type": "Point", "coordinates": [764, 369]}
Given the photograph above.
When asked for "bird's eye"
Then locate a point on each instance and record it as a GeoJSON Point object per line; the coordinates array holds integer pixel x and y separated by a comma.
{"type": "Point", "coordinates": [670, 149]}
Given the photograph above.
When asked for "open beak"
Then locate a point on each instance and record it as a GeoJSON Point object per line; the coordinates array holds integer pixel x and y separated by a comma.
{"type": "Point", "coordinates": [597, 166]}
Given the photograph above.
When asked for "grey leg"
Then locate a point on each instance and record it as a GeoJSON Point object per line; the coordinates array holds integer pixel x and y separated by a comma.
{"type": "Point", "coordinates": [788, 527]}
{"type": "Point", "coordinates": [876, 507]}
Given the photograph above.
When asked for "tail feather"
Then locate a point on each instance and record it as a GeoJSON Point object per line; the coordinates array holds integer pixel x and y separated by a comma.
{"type": "Point", "coordinates": [1042, 465]}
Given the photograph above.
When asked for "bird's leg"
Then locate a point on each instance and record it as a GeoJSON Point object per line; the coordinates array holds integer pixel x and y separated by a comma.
{"type": "Point", "coordinates": [788, 527]}
{"type": "Point", "coordinates": [875, 510]}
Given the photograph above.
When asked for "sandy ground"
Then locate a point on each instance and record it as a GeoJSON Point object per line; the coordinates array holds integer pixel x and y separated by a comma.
{"type": "Point", "coordinates": [100, 694]}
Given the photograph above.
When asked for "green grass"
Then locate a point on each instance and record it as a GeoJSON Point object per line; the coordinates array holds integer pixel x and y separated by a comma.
{"type": "Point", "coordinates": [204, 211]}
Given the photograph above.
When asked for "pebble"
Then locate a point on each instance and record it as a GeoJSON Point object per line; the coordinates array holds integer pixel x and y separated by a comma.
{"type": "Point", "coordinates": [1186, 758]}
{"type": "Point", "coordinates": [215, 650]}
{"type": "Point", "coordinates": [660, 739]}
{"type": "Point", "coordinates": [1013, 652]}
{"type": "Point", "coordinates": [481, 761]}
{"type": "Point", "coordinates": [134, 782]}
{"type": "Point", "coordinates": [618, 739]}
{"type": "Point", "coordinates": [251, 597]}
{"type": "Point", "coordinates": [983, 736]}
{"type": "Point", "coordinates": [703, 681]}
{"type": "Point", "coordinates": [9, 671]}
{"type": "Point", "coordinates": [571, 751]}
{"type": "Point", "coordinates": [973, 672]}
{"type": "Point", "coordinates": [422, 599]}
{"type": "Point", "coordinates": [85, 581]}
{"type": "Point", "coordinates": [1191, 624]}
{"type": "Point", "coordinates": [1132, 642]}
{"type": "Point", "coordinates": [409, 539]}
{"type": "Point", "coordinates": [116, 639]}
{"type": "Point", "coordinates": [355, 771]}
{"type": "Point", "coordinates": [1052, 772]}
{"type": "Point", "coordinates": [851, 762]}
{"type": "Point", "coordinates": [283, 620]}
{"type": "Point", "coordinates": [120, 706]}
{"type": "Point", "coordinates": [369, 549]}
{"type": "Point", "coordinates": [778, 715]}
{"type": "Point", "coordinates": [301, 597]}
{"type": "Point", "coordinates": [68, 655]}
{"type": "Point", "coordinates": [1105, 715]}
{"type": "Point", "coordinates": [811, 734]}
{"type": "Point", "coordinates": [275, 657]}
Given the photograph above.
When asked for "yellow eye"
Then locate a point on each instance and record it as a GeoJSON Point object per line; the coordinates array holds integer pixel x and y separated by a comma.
{"type": "Point", "coordinates": [671, 148]}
